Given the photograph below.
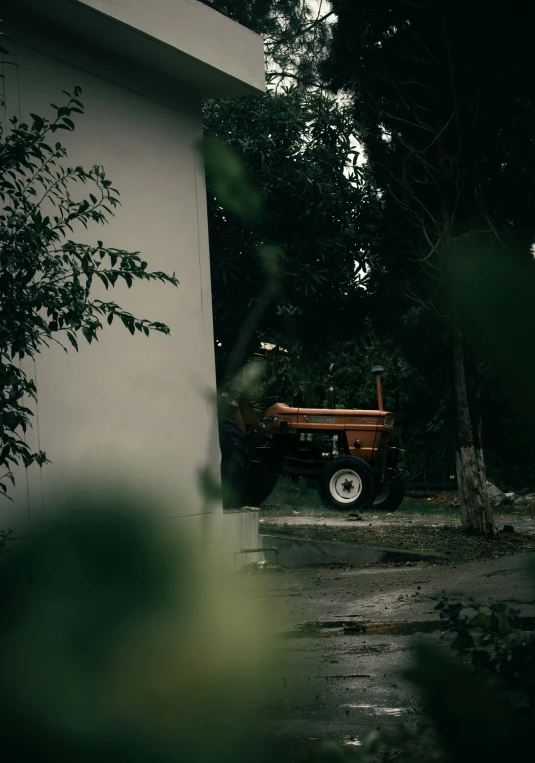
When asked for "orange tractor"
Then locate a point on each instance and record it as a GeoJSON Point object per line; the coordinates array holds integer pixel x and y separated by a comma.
{"type": "Point", "coordinates": [350, 452]}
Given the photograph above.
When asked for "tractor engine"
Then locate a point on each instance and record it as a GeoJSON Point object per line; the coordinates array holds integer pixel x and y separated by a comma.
{"type": "Point", "coordinates": [315, 445]}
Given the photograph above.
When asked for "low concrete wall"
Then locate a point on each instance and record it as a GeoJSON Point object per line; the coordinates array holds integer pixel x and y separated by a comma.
{"type": "Point", "coordinates": [298, 552]}
{"type": "Point", "coordinates": [239, 531]}
{"type": "Point", "coordinates": [234, 532]}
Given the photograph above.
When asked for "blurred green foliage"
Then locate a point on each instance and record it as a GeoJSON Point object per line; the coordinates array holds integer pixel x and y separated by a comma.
{"type": "Point", "coordinates": [231, 183]}
{"type": "Point", "coordinates": [122, 639]}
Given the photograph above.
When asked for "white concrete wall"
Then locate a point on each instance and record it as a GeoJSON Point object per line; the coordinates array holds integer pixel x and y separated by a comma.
{"type": "Point", "coordinates": [129, 407]}
{"type": "Point", "coordinates": [239, 532]}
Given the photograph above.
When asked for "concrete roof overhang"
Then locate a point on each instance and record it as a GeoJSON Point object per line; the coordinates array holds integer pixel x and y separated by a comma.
{"type": "Point", "coordinates": [183, 40]}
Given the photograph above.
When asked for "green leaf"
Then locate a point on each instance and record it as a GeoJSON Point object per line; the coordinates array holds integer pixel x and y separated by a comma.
{"type": "Point", "coordinates": [481, 620]}
{"type": "Point", "coordinates": [72, 340]}
{"type": "Point", "coordinates": [88, 334]}
{"type": "Point", "coordinates": [230, 181]}
{"type": "Point", "coordinates": [38, 122]}
{"type": "Point", "coordinates": [463, 641]}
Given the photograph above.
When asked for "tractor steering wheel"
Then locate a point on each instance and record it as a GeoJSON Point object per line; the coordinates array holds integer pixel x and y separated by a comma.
{"type": "Point", "coordinates": [265, 402]}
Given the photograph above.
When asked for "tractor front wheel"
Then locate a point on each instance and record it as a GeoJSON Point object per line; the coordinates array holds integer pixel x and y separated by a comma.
{"type": "Point", "coordinates": [347, 484]}
{"type": "Point", "coordinates": [234, 463]}
{"type": "Point", "coordinates": [389, 496]}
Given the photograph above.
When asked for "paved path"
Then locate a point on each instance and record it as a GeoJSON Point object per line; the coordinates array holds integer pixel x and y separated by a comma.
{"type": "Point", "coordinates": [430, 520]}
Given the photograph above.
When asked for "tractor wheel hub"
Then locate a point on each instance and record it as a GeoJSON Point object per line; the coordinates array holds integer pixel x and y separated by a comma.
{"type": "Point", "coordinates": [345, 485]}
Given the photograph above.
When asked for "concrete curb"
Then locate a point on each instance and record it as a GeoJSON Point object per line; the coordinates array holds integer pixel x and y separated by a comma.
{"type": "Point", "coordinates": [299, 552]}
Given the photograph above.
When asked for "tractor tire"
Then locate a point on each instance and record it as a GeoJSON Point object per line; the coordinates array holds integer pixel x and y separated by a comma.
{"type": "Point", "coordinates": [389, 497]}
{"type": "Point", "coordinates": [347, 484]}
{"type": "Point", "coordinates": [260, 485]}
{"type": "Point", "coordinates": [234, 463]}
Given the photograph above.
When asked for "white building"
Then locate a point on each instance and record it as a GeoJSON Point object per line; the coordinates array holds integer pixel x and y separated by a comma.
{"type": "Point", "coordinates": [130, 407]}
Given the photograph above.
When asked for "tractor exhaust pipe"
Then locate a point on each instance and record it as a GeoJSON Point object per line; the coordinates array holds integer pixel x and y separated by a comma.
{"type": "Point", "coordinates": [378, 370]}
{"type": "Point", "coordinates": [331, 400]}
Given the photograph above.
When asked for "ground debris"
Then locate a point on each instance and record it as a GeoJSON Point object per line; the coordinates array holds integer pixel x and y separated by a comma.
{"type": "Point", "coordinates": [260, 567]}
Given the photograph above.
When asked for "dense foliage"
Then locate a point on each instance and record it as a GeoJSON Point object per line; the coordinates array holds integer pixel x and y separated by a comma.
{"type": "Point", "coordinates": [298, 147]}
{"type": "Point", "coordinates": [444, 113]}
{"type": "Point", "coordinates": [400, 314]}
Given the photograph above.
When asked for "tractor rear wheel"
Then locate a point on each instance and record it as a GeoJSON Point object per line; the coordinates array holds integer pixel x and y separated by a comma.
{"type": "Point", "coordinates": [389, 496]}
{"type": "Point", "coordinates": [347, 483]}
{"type": "Point", "coordinates": [234, 463]}
{"type": "Point", "coordinates": [260, 484]}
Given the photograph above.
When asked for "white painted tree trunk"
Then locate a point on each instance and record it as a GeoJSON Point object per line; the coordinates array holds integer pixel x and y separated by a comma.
{"type": "Point", "coordinates": [476, 511]}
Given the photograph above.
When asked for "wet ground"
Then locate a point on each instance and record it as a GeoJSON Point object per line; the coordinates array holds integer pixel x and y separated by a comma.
{"type": "Point", "coordinates": [345, 634]}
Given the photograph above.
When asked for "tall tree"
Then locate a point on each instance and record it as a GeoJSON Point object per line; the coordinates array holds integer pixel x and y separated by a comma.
{"type": "Point", "coordinates": [443, 95]}
{"type": "Point", "coordinates": [318, 211]}
{"type": "Point", "coordinates": [296, 33]}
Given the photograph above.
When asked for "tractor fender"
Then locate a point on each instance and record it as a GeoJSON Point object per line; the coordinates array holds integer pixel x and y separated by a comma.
{"type": "Point", "coordinates": [229, 409]}
{"type": "Point", "coordinates": [365, 465]}
{"type": "Point", "coordinates": [238, 418]}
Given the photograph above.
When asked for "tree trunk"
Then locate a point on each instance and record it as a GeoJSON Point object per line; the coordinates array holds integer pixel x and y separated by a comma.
{"type": "Point", "coordinates": [476, 512]}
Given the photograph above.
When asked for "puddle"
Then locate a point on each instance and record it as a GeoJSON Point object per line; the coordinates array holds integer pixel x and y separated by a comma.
{"type": "Point", "coordinates": [376, 710]}
{"type": "Point", "coordinates": [337, 628]}
{"type": "Point", "coordinates": [332, 628]}
{"type": "Point", "coordinates": [367, 648]}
